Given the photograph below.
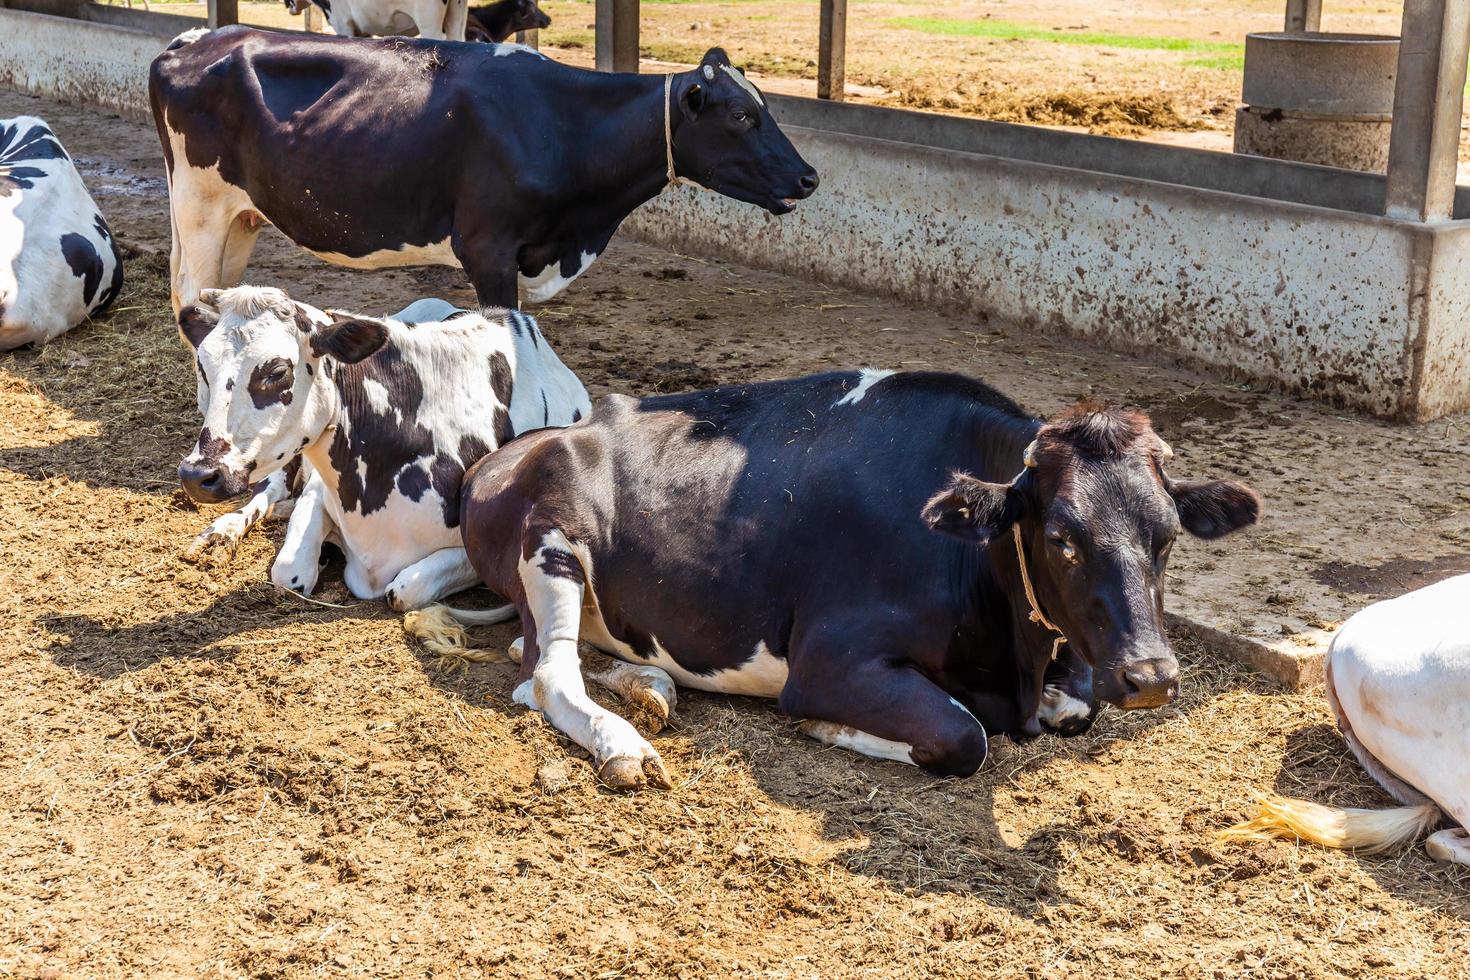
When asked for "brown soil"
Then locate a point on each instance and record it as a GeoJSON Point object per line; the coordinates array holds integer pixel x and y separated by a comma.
{"type": "Point", "coordinates": [203, 776]}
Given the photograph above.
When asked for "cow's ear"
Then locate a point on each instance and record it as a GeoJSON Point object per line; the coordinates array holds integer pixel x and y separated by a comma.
{"type": "Point", "coordinates": [1214, 508]}
{"type": "Point", "coordinates": [972, 509]}
{"type": "Point", "coordinates": [196, 321]}
{"type": "Point", "coordinates": [694, 100]}
{"type": "Point", "coordinates": [349, 339]}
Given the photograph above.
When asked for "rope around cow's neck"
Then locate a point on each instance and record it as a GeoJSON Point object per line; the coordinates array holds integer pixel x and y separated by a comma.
{"type": "Point", "coordinates": [669, 129]}
{"type": "Point", "coordinates": [1037, 616]}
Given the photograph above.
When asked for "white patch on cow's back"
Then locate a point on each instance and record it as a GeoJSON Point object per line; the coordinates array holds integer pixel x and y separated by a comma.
{"type": "Point", "coordinates": [504, 49]}
{"type": "Point", "coordinates": [1057, 707]}
{"type": "Point", "coordinates": [435, 253]}
{"type": "Point", "coordinates": [744, 83]}
{"type": "Point", "coordinates": [867, 377]}
{"type": "Point", "coordinates": [379, 399]}
{"type": "Point", "coordinates": [549, 281]}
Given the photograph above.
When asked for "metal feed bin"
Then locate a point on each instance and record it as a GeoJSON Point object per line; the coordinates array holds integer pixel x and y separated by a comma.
{"type": "Point", "coordinates": [1318, 98]}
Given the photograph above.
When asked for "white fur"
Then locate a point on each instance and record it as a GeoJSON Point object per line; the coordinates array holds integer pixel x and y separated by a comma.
{"type": "Point", "coordinates": [549, 281]}
{"type": "Point", "coordinates": [438, 19]}
{"type": "Point", "coordinates": [744, 83]}
{"type": "Point", "coordinates": [1057, 706]}
{"type": "Point", "coordinates": [867, 377]}
{"type": "Point", "coordinates": [40, 297]}
{"type": "Point", "coordinates": [504, 49]}
{"type": "Point", "coordinates": [845, 737]}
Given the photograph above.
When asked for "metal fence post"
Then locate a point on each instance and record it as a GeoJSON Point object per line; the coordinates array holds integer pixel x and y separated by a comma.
{"type": "Point", "coordinates": [1303, 16]}
{"type": "Point", "coordinates": [617, 35]}
{"type": "Point", "coordinates": [223, 13]}
{"type": "Point", "coordinates": [832, 51]}
{"type": "Point", "coordinates": [1428, 96]}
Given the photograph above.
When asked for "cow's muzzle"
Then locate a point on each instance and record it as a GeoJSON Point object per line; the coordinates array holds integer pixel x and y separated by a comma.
{"type": "Point", "coordinates": [1149, 683]}
{"type": "Point", "coordinates": [207, 482]}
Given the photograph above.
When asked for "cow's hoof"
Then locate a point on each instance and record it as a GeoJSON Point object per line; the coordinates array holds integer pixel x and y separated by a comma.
{"type": "Point", "coordinates": [1450, 846]}
{"type": "Point", "coordinates": [516, 650]}
{"type": "Point", "coordinates": [211, 538]}
{"type": "Point", "coordinates": [650, 710]}
{"type": "Point", "coordinates": [629, 772]}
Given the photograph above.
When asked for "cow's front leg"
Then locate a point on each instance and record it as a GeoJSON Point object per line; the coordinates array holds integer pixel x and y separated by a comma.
{"type": "Point", "coordinates": [861, 699]}
{"type": "Point", "coordinates": [299, 562]}
{"type": "Point", "coordinates": [456, 19]}
{"type": "Point", "coordinates": [1068, 706]}
{"type": "Point", "coordinates": [443, 573]}
{"type": "Point", "coordinates": [491, 268]}
{"type": "Point", "coordinates": [229, 528]}
{"type": "Point", "coordinates": [551, 672]}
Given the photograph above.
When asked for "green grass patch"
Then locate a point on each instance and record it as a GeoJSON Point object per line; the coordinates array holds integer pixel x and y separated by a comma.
{"type": "Point", "coordinates": [1009, 31]}
{"type": "Point", "coordinates": [1224, 62]}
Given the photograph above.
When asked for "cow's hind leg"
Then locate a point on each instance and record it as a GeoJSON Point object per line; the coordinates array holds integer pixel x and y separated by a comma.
{"type": "Point", "coordinates": [553, 581]}
{"type": "Point", "coordinates": [647, 689]}
{"type": "Point", "coordinates": [203, 210]}
{"type": "Point", "coordinates": [443, 573]}
{"type": "Point", "coordinates": [1451, 846]}
{"type": "Point", "coordinates": [883, 708]}
{"type": "Point", "coordinates": [239, 244]}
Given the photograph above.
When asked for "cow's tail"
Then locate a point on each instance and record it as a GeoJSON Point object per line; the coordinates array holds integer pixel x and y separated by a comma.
{"type": "Point", "coordinates": [1347, 828]}
{"type": "Point", "coordinates": [441, 631]}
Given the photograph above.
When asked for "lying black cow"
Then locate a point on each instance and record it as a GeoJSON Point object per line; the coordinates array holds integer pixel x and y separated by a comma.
{"type": "Point", "coordinates": [375, 153]}
{"type": "Point", "coordinates": [779, 540]}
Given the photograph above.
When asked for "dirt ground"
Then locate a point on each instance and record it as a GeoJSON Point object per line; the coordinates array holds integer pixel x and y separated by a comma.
{"type": "Point", "coordinates": [203, 776]}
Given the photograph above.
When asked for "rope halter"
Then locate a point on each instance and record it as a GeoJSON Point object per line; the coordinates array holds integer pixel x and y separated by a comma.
{"type": "Point", "coordinates": [673, 178]}
{"type": "Point", "coordinates": [1037, 616]}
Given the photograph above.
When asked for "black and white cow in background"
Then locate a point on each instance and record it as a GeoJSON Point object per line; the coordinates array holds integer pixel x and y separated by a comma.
{"type": "Point", "coordinates": [496, 22]}
{"type": "Point", "coordinates": [58, 261]}
{"type": "Point", "coordinates": [858, 545]}
{"type": "Point", "coordinates": [493, 158]}
{"type": "Point", "coordinates": [435, 19]}
{"type": "Point", "coordinates": [388, 416]}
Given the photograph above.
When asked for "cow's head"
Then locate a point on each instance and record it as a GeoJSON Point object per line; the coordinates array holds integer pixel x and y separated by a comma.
{"type": "Point", "coordinates": [725, 138]}
{"type": "Point", "coordinates": [1098, 514]}
{"type": "Point", "coordinates": [263, 389]}
{"type": "Point", "coordinates": [498, 21]}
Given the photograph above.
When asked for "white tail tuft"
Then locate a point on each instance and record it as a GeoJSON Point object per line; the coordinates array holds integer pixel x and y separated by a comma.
{"type": "Point", "coordinates": [440, 630]}
{"type": "Point", "coordinates": [1368, 831]}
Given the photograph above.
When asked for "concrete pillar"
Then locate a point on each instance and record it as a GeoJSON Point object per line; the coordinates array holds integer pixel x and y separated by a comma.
{"type": "Point", "coordinates": [617, 35]}
{"type": "Point", "coordinates": [223, 13]}
{"type": "Point", "coordinates": [832, 51]}
{"type": "Point", "coordinates": [1303, 16]}
{"type": "Point", "coordinates": [531, 39]}
{"type": "Point", "coordinates": [1427, 99]}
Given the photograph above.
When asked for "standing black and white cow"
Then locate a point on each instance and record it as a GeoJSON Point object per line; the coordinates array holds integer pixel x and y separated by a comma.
{"type": "Point", "coordinates": [496, 22]}
{"type": "Point", "coordinates": [438, 19]}
{"type": "Point", "coordinates": [58, 261]}
{"type": "Point", "coordinates": [881, 552]}
{"type": "Point", "coordinates": [388, 416]}
{"type": "Point", "coordinates": [489, 157]}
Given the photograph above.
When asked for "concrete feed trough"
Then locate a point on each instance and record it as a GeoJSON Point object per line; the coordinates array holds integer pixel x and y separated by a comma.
{"type": "Point", "coordinates": [1318, 98]}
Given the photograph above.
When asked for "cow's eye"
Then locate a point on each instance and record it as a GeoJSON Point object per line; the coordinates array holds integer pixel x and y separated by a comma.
{"type": "Point", "coordinates": [276, 376]}
{"type": "Point", "coordinates": [741, 115]}
{"type": "Point", "coordinates": [1060, 542]}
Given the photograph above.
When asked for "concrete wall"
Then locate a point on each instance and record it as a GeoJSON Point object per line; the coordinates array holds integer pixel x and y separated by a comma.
{"type": "Point", "coordinates": [75, 61]}
{"type": "Point", "coordinates": [1308, 298]}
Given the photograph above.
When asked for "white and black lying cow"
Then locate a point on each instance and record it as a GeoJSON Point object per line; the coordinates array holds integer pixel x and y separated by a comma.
{"type": "Point", "coordinates": [1398, 680]}
{"type": "Point", "coordinates": [879, 551]}
{"type": "Point", "coordinates": [388, 416]}
{"type": "Point", "coordinates": [58, 262]}
{"type": "Point", "coordinates": [493, 158]}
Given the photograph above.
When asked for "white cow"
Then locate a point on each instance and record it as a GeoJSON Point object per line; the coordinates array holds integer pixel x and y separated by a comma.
{"type": "Point", "coordinates": [442, 20]}
{"type": "Point", "coordinates": [388, 416]}
{"type": "Point", "coordinates": [1398, 679]}
{"type": "Point", "coordinates": [58, 262]}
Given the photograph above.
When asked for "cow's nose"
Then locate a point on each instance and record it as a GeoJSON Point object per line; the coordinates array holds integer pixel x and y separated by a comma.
{"type": "Point", "coordinates": [1149, 683]}
{"type": "Point", "coordinates": [809, 182]}
{"type": "Point", "coordinates": [202, 481]}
